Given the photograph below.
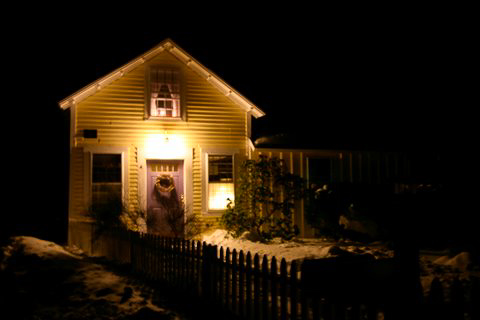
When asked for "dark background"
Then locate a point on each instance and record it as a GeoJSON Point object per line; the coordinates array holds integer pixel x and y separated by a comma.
{"type": "Point", "coordinates": [373, 81]}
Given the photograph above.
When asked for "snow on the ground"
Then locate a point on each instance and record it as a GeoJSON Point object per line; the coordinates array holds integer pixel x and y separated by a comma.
{"type": "Point", "coordinates": [45, 281]}
{"type": "Point", "coordinates": [296, 249]}
{"type": "Point", "coordinates": [49, 281]}
{"type": "Point", "coordinates": [434, 264]}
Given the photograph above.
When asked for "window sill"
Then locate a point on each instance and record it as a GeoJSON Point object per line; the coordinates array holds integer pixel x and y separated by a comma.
{"type": "Point", "coordinates": [214, 213]}
{"type": "Point", "coordinates": [164, 118]}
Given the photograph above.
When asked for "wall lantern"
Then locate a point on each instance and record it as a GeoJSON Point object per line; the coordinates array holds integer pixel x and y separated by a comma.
{"type": "Point", "coordinates": [165, 146]}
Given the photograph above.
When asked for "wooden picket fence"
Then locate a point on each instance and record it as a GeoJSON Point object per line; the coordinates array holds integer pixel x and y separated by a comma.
{"type": "Point", "coordinates": [252, 287]}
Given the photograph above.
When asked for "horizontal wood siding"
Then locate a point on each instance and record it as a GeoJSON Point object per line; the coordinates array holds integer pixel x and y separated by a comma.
{"type": "Point", "coordinates": [77, 195]}
{"type": "Point", "coordinates": [117, 113]}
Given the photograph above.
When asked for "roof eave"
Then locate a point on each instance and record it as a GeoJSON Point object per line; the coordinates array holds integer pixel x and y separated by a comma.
{"type": "Point", "coordinates": [181, 55]}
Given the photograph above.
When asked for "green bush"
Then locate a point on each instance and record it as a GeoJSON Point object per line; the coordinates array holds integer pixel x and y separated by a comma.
{"type": "Point", "coordinates": [265, 200]}
{"type": "Point", "coordinates": [112, 212]}
{"type": "Point", "coordinates": [323, 209]}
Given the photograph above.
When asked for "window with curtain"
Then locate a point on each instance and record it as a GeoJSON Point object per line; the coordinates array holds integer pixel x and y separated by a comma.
{"type": "Point", "coordinates": [106, 179]}
{"type": "Point", "coordinates": [164, 93]}
{"type": "Point", "coordinates": [220, 181]}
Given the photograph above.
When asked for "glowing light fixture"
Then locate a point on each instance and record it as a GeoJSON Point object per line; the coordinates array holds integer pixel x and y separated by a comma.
{"type": "Point", "coordinates": [165, 146]}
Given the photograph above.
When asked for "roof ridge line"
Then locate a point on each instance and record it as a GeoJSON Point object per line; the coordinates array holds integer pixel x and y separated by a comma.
{"type": "Point", "coordinates": [184, 57]}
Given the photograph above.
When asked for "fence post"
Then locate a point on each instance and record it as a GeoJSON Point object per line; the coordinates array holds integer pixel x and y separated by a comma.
{"type": "Point", "coordinates": [256, 287]}
{"type": "Point", "coordinates": [183, 273]}
{"type": "Point", "coordinates": [293, 291]}
{"type": "Point", "coordinates": [408, 295]}
{"type": "Point", "coordinates": [199, 265]}
{"type": "Point", "coordinates": [176, 266]}
{"type": "Point", "coordinates": [169, 261]}
{"type": "Point", "coordinates": [213, 272]}
{"type": "Point", "coordinates": [475, 296]}
{"type": "Point", "coordinates": [457, 298]}
{"type": "Point", "coordinates": [234, 281]}
{"type": "Point", "coordinates": [248, 289]}
{"type": "Point", "coordinates": [303, 296]}
{"type": "Point", "coordinates": [144, 255]}
{"type": "Point", "coordinates": [136, 251]}
{"type": "Point", "coordinates": [148, 249]}
{"type": "Point", "coordinates": [273, 288]}
{"type": "Point", "coordinates": [241, 279]}
{"type": "Point", "coordinates": [221, 282]}
{"type": "Point", "coordinates": [283, 289]}
{"type": "Point", "coordinates": [205, 271]}
{"type": "Point", "coordinates": [227, 279]}
{"type": "Point", "coordinates": [132, 260]}
{"type": "Point", "coordinates": [162, 258]}
{"type": "Point", "coordinates": [435, 307]}
{"type": "Point", "coordinates": [265, 276]}
{"type": "Point", "coordinates": [188, 264]}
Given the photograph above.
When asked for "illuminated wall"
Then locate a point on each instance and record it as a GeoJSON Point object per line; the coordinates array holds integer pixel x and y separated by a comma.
{"type": "Point", "coordinates": [117, 112]}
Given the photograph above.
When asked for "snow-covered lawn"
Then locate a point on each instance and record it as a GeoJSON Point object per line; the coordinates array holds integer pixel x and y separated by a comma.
{"type": "Point", "coordinates": [432, 264]}
{"type": "Point", "coordinates": [298, 249]}
{"type": "Point", "coordinates": [42, 280]}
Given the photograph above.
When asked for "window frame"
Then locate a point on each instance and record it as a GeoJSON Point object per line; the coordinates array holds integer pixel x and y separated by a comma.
{"type": "Point", "coordinates": [92, 183]}
{"type": "Point", "coordinates": [206, 210]}
{"type": "Point", "coordinates": [89, 151]}
{"type": "Point", "coordinates": [148, 92]}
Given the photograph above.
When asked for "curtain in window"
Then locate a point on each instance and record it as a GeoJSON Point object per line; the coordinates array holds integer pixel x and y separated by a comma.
{"type": "Point", "coordinates": [165, 93]}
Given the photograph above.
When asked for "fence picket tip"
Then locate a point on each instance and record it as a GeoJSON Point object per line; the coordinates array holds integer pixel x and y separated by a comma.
{"type": "Point", "coordinates": [273, 262]}
{"type": "Point", "coordinates": [265, 261]}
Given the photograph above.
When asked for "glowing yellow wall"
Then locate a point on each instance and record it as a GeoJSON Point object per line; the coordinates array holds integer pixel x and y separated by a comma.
{"type": "Point", "coordinates": [118, 111]}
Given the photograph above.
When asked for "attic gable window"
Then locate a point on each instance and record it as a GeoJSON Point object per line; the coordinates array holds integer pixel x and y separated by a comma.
{"type": "Point", "coordinates": [164, 93]}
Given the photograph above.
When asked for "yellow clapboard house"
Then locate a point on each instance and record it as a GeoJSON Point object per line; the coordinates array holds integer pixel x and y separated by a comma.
{"type": "Point", "coordinates": [163, 130]}
{"type": "Point", "coordinates": [158, 128]}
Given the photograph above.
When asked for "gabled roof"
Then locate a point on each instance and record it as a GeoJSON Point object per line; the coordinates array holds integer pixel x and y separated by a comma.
{"type": "Point", "coordinates": [182, 56]}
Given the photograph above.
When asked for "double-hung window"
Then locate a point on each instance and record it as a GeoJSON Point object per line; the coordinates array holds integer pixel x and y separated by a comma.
{"type": "Point", "coordinates": [164, 93]}
{"type": "Point", "coordinates": [106, 179]}
{"type": "Point", "coordinates": [220, 181]}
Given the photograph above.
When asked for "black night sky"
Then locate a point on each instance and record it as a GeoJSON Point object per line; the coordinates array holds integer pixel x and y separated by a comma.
{"type": "Point", "coordinates": [365, 83]}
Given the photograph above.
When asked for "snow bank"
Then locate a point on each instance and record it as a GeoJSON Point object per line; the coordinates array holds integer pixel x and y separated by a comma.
{"type": "Point", "coordinates": [30, 246]}
{"type": "Point", "coordinates": [76, 285]}
{"type": "Point", "coordinates": [461, 261]}
{"type": "Point", "coordinates": [42, 248]}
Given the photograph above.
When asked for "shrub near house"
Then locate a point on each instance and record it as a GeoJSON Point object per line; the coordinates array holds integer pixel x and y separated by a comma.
{"type": "Point", "coordinates": [266, 194]}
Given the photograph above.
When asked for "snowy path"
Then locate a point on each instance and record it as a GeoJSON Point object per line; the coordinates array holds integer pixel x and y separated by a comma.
{"type": "Point", "coordinates": [41, 280]}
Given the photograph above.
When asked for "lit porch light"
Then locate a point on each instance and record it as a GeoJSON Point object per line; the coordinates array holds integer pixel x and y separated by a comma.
{"type": "Point", "coordinates": [165, 146]}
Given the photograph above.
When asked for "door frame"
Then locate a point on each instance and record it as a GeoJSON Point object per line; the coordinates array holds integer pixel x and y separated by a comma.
{"type": "Point", "coordinates": [179, 186]}
{"type": "Point", "coordinates": [187, 179]}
